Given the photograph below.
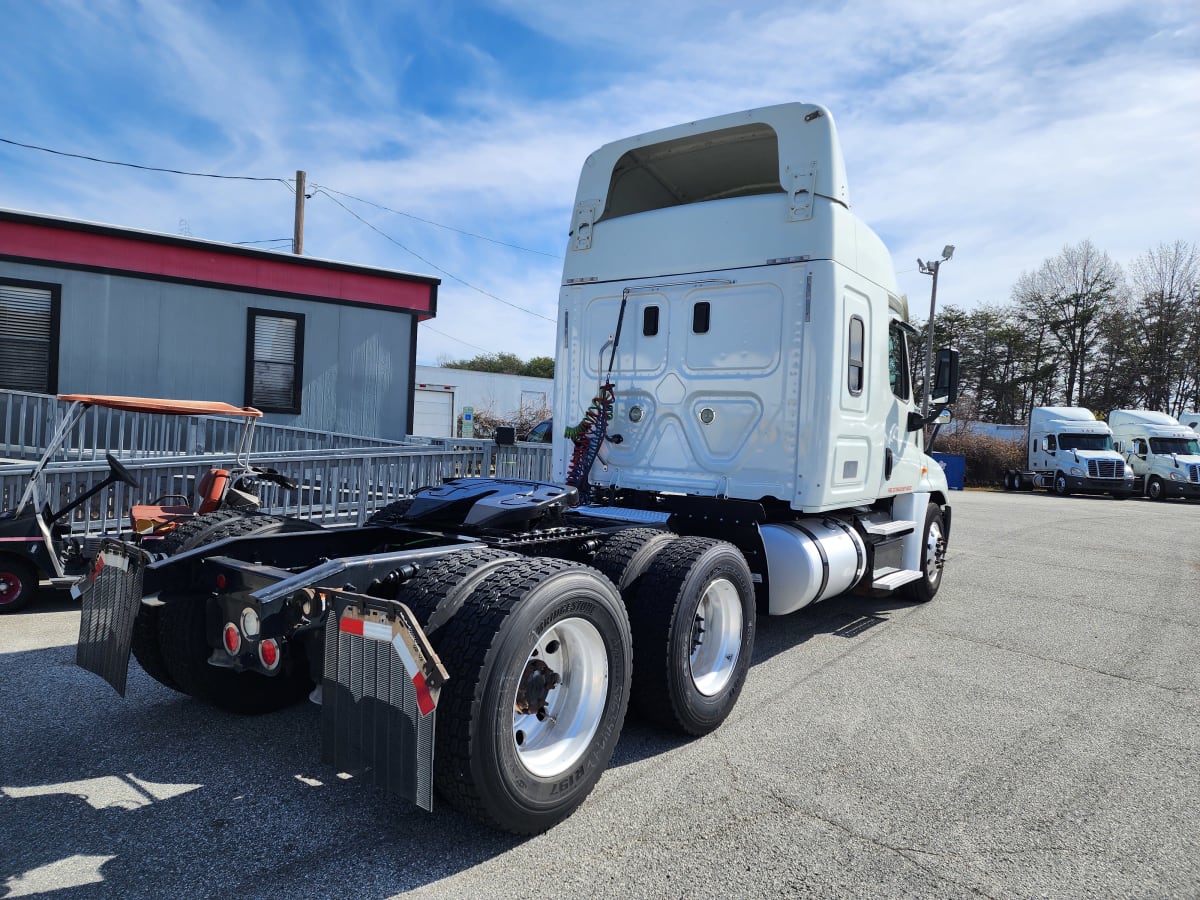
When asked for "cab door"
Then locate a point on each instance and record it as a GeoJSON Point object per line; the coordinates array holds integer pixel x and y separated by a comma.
{"type": "Point", "coordinates": [902, 451]}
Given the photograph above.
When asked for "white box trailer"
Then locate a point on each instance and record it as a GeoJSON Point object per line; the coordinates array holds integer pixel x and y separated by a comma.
{"type": "Point", "coordinates": [734, 347]}
{"type": "Point", "coordinates": [1163, 453]}
{"type": "Point", "coordinates": [1071, 451]}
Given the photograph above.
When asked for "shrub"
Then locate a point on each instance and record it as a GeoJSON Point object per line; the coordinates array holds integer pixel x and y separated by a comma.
{"type": "Point", "coordinates": [987, 457]}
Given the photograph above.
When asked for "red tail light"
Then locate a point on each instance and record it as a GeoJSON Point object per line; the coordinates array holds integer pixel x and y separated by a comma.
{"type": "Point", "coordinates": [268, 653]}
{"type": "Point", "coordinates": [233, 639]}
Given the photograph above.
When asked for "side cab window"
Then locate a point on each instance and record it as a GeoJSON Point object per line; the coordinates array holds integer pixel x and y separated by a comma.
{"type": "Point", "coordinates": [898, 366]}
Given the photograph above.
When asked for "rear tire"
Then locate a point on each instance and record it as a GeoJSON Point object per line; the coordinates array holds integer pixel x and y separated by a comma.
{"type": "Point", "coordinates": [438, 591]}
{"type": "Point", "coordinates": [933, 558]}
{"type": "Point", "coordinates": [148, 644]}
{"type": "Point", "coordinates": [18, 584]}
{"type": "Point", "coordinates": [539, 663]}
{"type": "Point", "coordinates": [184, 643]}
{"type": "Point", "coordinates": [626, 556]}
{"type": "Point", "coordinates": [693, 623]}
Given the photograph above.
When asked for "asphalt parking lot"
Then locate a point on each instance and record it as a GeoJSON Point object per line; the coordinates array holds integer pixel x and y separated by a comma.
{"type": "Point", "coordinates": [1034, 731]}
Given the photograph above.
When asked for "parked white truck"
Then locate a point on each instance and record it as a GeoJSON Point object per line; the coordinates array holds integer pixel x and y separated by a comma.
{"type": "Point", "coordinates": [752, 442]}
{"type": "Point", "coordinates": [1071, 451]}
{"type": "Point", "coordinates": [1164, 454]}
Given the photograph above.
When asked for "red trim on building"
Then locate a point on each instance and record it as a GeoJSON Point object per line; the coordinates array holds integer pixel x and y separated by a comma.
{"type": "Point", "coordinates": [141, 254]}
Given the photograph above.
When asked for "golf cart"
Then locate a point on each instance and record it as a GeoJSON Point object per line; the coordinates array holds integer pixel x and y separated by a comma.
{"type": "Point", "coordinates": [36, 541]}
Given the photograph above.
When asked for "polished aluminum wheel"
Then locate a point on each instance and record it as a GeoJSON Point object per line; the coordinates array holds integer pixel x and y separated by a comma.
{"type": "Point", "coordinates": [559, 700]}
{"type": "Point", "coordinates": [716, 637]}
{"type": "Point", "coordinates": [935, 553]}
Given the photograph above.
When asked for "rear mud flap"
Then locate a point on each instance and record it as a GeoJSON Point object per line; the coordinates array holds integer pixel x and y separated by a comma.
{"type": "Point", "coordinates": [110, 600]}
{"type": "Point", "coordinates": [379, 696]}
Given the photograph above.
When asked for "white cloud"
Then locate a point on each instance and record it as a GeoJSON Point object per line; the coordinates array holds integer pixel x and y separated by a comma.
{"type": "Point", "coordinates": [1008, 131]}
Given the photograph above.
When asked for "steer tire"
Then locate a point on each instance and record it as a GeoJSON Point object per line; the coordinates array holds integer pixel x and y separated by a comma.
{"type": "Point", "coordinates": [182, 636]}
{"type": "Point", "coordinates": [933, 558]}
{"type": "Point", "coordinates": [437, 592]}
{"type": "Point", "coordinates": [18, 584]}
{"type": "Point", "coordinates": [518, 629]}
{"type": "Point", "coordinates": [626, 556]}
{"type": "Point", "coordinates": [682, 679]}
{"type": "Point", "coordinates": [1155, 489]}
{"type": "Point", "coordinates": [1060, 485]}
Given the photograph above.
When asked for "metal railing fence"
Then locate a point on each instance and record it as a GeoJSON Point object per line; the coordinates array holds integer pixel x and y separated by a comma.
{"type": "Point", "coordinates": [28, 422]}
{"type": "Point", "coordinates": [335, 486]}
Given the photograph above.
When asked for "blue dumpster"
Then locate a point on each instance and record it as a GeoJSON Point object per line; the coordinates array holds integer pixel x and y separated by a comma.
{"type": "Point", "coordinates": [955, 467]}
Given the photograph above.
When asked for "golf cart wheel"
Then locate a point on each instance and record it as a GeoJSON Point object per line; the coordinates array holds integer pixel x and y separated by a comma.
{"type": "Point", "coordinates": [18, 584]}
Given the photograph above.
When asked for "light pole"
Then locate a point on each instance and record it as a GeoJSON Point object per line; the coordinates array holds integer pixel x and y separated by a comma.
{"type": "Point", "coordinates": [931, 268]}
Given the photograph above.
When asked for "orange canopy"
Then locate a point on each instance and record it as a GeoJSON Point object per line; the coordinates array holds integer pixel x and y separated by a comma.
{"type": "Point", "coordinates": [165, 407]}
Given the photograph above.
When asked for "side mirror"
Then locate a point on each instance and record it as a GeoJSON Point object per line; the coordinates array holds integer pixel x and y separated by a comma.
{"type": "Point", "coordinates": [945, 417]}
{"type": "Point", "coordinates": [945, 379]}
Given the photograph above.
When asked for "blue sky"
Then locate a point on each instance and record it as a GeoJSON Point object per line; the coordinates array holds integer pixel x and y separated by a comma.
{"type": "Point", "coordinates": [1007, 130]}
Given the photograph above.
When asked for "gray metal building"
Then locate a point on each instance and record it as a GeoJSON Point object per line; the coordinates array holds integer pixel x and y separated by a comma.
{"type": "Point", "coordinates": [88, 308]}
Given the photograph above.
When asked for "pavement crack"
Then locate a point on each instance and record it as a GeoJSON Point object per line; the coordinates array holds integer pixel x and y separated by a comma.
{"type": "Point", "coordinates": [1181, 692]}
{"type": "Point", "coordinates": [905, 853]}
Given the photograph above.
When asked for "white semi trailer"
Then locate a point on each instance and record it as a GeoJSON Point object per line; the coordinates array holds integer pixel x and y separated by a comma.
{"type": "Point", "coordinates": [1164, 454]}
{"type": "Point", "coordinates": [1071, 451]}
{"type": "Point", "coordinates": [735, 350]}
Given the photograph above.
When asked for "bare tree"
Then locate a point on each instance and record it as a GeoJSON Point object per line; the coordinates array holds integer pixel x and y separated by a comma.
{"type": "Point", "coordinates": [1167, 311]}
{"type": "Point", "coordinates": [1070, 295]}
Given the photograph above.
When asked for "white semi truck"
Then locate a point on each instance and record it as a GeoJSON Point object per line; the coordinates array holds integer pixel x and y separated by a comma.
{"type": "Point", "coordinates": [1163, 453]}
{"type": "Point", "coordinates": [1071, 451]}
{"type": "Point", "coordinates": [735, 349]}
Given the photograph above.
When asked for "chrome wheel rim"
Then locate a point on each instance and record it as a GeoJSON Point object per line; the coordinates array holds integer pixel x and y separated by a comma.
{"type": "Point", "coordinates": [934, 552]}
{"type": "Point", "coordinates": [716, 637]}
{"type": "Point", "coordinates": [560, 696]}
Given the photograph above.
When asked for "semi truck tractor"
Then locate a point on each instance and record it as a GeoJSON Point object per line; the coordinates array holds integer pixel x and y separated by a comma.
{"type": "Point", "coordinates": [1164, 454]}
{"type": "Point", "coordinates": [1071, 451]}
{"type": "Point", "coordinates": [737, 434]}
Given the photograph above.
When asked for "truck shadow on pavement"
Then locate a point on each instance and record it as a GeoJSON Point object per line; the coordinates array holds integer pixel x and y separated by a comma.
{"type": "Point", "coordinates": [158, 795]}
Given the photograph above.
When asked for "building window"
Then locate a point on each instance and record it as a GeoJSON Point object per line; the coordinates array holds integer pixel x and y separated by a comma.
{"type": "Point", "coordinates": [854, 355]}
{"type": "Point", "coordinates": [29, 314]}
{"type": "Point", "coordinates": [274, 360]}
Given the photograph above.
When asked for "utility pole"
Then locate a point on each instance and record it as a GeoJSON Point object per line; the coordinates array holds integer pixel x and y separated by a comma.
{"type": "Point", "coordinates": [298, 232]}
{"type": "Point", "coordinates": [931, 268]}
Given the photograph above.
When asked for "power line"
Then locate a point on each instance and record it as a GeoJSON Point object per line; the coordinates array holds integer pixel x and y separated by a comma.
{"type": "Point", "coordinates": [453, 338]}
{"type": "Point", "coordinates": [329, 190]}
{"type": "Point", "coordinates": [110, 162]}
{"type": "Point", "coordinates": [428, 262]}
